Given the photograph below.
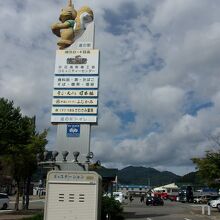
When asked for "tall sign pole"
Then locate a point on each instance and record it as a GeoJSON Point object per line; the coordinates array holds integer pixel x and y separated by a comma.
{"type": "Point", "coordinates": [76, 83]}
{"type": "Point", "coordinates": [73, 192]}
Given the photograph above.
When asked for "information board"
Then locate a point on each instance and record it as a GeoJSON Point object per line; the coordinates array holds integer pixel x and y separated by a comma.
{"type": "Point", "coordinates": [73, 195]}
{"type": "Point", "coordinates": [77, 62]}
{"type": "Point", "coordinates": [76, 83]}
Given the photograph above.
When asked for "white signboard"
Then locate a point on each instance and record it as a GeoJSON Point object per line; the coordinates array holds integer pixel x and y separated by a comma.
{"type": "Point", "coordinates": [76, 82]}
{"type": "Point", "coordinates": [77, 62]}
{"type": "Point", "coordinates": [71, 176]}
{"type": "Point", "coordinates": [75, 93]}
{"type": "Point", "coordinates": [72, 195]}
{"type": "Point", "coordinates": [62, 101]}
{"type": "Point", "coordinates": [84, 45]}
{"type": "Point", "coordinates": [74, 118]}
{"type": "Point", "coordinates": [74, 110]}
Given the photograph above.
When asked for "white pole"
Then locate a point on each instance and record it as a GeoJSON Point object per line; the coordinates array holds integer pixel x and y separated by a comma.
{"type": "Point", "coordinates": [203, 210]}
{"type": "Point", "coordinates": [209, 210]}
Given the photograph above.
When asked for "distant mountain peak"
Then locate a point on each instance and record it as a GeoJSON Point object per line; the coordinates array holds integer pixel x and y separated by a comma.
{"type": "Point", "coordinates": [145, 175]}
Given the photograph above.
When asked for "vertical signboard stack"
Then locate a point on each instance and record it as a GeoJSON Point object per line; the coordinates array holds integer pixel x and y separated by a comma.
{"type": "Point", "coordinates": [76, 82]}
{"type": "Point", "coordinates": [75, 95]}
{"type": "Point", "coordinates": [73, 192]}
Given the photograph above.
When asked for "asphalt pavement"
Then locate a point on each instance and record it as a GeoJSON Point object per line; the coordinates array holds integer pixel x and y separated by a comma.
{"type": "Point", "coordinates": [36, 206]}
{"type": "Point", "coordinates": [132, 211]}
{"type": "Point", "coordinates": [170, 211]}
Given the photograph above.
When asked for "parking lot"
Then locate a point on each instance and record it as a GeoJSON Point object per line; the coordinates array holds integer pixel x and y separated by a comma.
{"type": "Point", "coordinates": [169, 211]}
{"type": "Point", "coordinates": [136, 210]}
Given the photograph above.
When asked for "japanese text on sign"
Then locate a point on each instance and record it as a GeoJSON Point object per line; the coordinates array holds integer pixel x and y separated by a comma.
{"type": "Point", "coordinates": [59, 176]}
{"type": "Point", "coordinates": [75, 93]}
{"type": "Point", "coordinates": [73, 110]}
{"type": "Point", "coordinates": [79, 119]}
{"type": "Point", "coordinates": [75, 101]}
{"type": "Point", "coordinates": [76, 82]}
{"type": "Point", "coordinates": [77, 62]}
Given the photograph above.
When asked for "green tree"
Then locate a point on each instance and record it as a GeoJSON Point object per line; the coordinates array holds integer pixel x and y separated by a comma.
{"type": "Point", "coordinates": [10, 127]}
{"type": "Point", "coordinates": [111, 208]}
{"type": "Point", "coordinates": [19, 145]}
{"type": "Point", "coordinates": [37, 145]}
{"type": "Point", "coordinates": [209, 167]}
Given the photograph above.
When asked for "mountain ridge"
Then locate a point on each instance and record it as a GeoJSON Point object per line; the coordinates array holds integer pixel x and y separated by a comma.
{"type": "Point", "coordinates": [150, 176]}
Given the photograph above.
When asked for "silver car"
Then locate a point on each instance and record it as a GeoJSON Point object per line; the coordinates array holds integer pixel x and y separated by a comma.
{"type": "Point", "coordinates": [215, 203]}
{"type": "Point", "coordinates": [4, 201]}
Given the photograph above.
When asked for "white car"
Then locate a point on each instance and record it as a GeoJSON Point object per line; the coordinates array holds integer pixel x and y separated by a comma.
{"type": "Point", "coordinates": [4, 201]}
{"type": "Point", "coordinates": [197, 199]}
{"type": "Point", "coordinates": [118, 196]}
{"type": "Point", "coordinates": [215, 203]}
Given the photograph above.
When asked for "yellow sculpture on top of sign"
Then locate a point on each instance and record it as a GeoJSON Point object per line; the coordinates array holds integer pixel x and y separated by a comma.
{"type": "Point", "coordinates": [71, 24]}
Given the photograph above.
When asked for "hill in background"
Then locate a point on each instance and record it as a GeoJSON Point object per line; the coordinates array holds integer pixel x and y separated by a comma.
{"type": "Point", "coordinates": [150, 176]}
{"type": "Point", "coordinates": [145, 176]}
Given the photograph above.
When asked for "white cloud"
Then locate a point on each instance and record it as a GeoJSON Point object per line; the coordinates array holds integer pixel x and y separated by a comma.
{"type": "Point", "coordinates": [167, 50]}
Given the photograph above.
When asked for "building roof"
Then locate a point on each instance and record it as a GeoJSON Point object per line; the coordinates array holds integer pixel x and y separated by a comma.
{"type": "Point", "coordinates": [168, 186]}
{"type": "Point", "coordinates": [133, 186]}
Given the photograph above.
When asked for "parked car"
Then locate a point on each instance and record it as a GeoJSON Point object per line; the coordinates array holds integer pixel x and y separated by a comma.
{"type": "Point", "coordinates": [215, 203]}
{"type": "Point", "coordinates": [197, 199]}
{"type": "Point", "coordinates": [154, 201]}
{"type": "Point", "coordinates": [204, 199]}
{"type": "Point", "coordinates": [213, 198]}
{"type": "Point", "coordinates": [118, 196]}
{"type": "Point", "coordinates": [4, 201]}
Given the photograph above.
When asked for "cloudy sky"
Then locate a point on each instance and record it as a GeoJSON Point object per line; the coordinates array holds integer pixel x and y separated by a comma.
{"type": "Point", "coordinates": [159, 86]}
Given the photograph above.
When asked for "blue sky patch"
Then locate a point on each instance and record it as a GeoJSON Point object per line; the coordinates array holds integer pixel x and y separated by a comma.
{"type": "Point", "coordinates": [155, 63]}
{"type": "Point", "coordinates": [112, 104]}
{"type": "Point", "coordinates": [193, 104]}
{"type": "Point", "coordinates": [118, 21]}
{"type": "Point", "coordinates": [126, 117]}
{"type": "Point", "coordinates": [196, 107]}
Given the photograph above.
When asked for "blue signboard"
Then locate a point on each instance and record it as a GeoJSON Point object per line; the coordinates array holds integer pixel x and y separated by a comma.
{"type": "Point", "coordinates": [73, 130]}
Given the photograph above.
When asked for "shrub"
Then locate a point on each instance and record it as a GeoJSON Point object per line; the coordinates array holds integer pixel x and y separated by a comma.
{"type": "Point", "coordinates": [112, 208]}
{"type": "Point", "coordinates": [36, 217]}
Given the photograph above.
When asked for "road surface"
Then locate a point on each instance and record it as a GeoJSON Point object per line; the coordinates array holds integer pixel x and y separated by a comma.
{"type": "Point", "coordinates": [170, 211]}
{"type": "Point", "coordinates": [139, 211]}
